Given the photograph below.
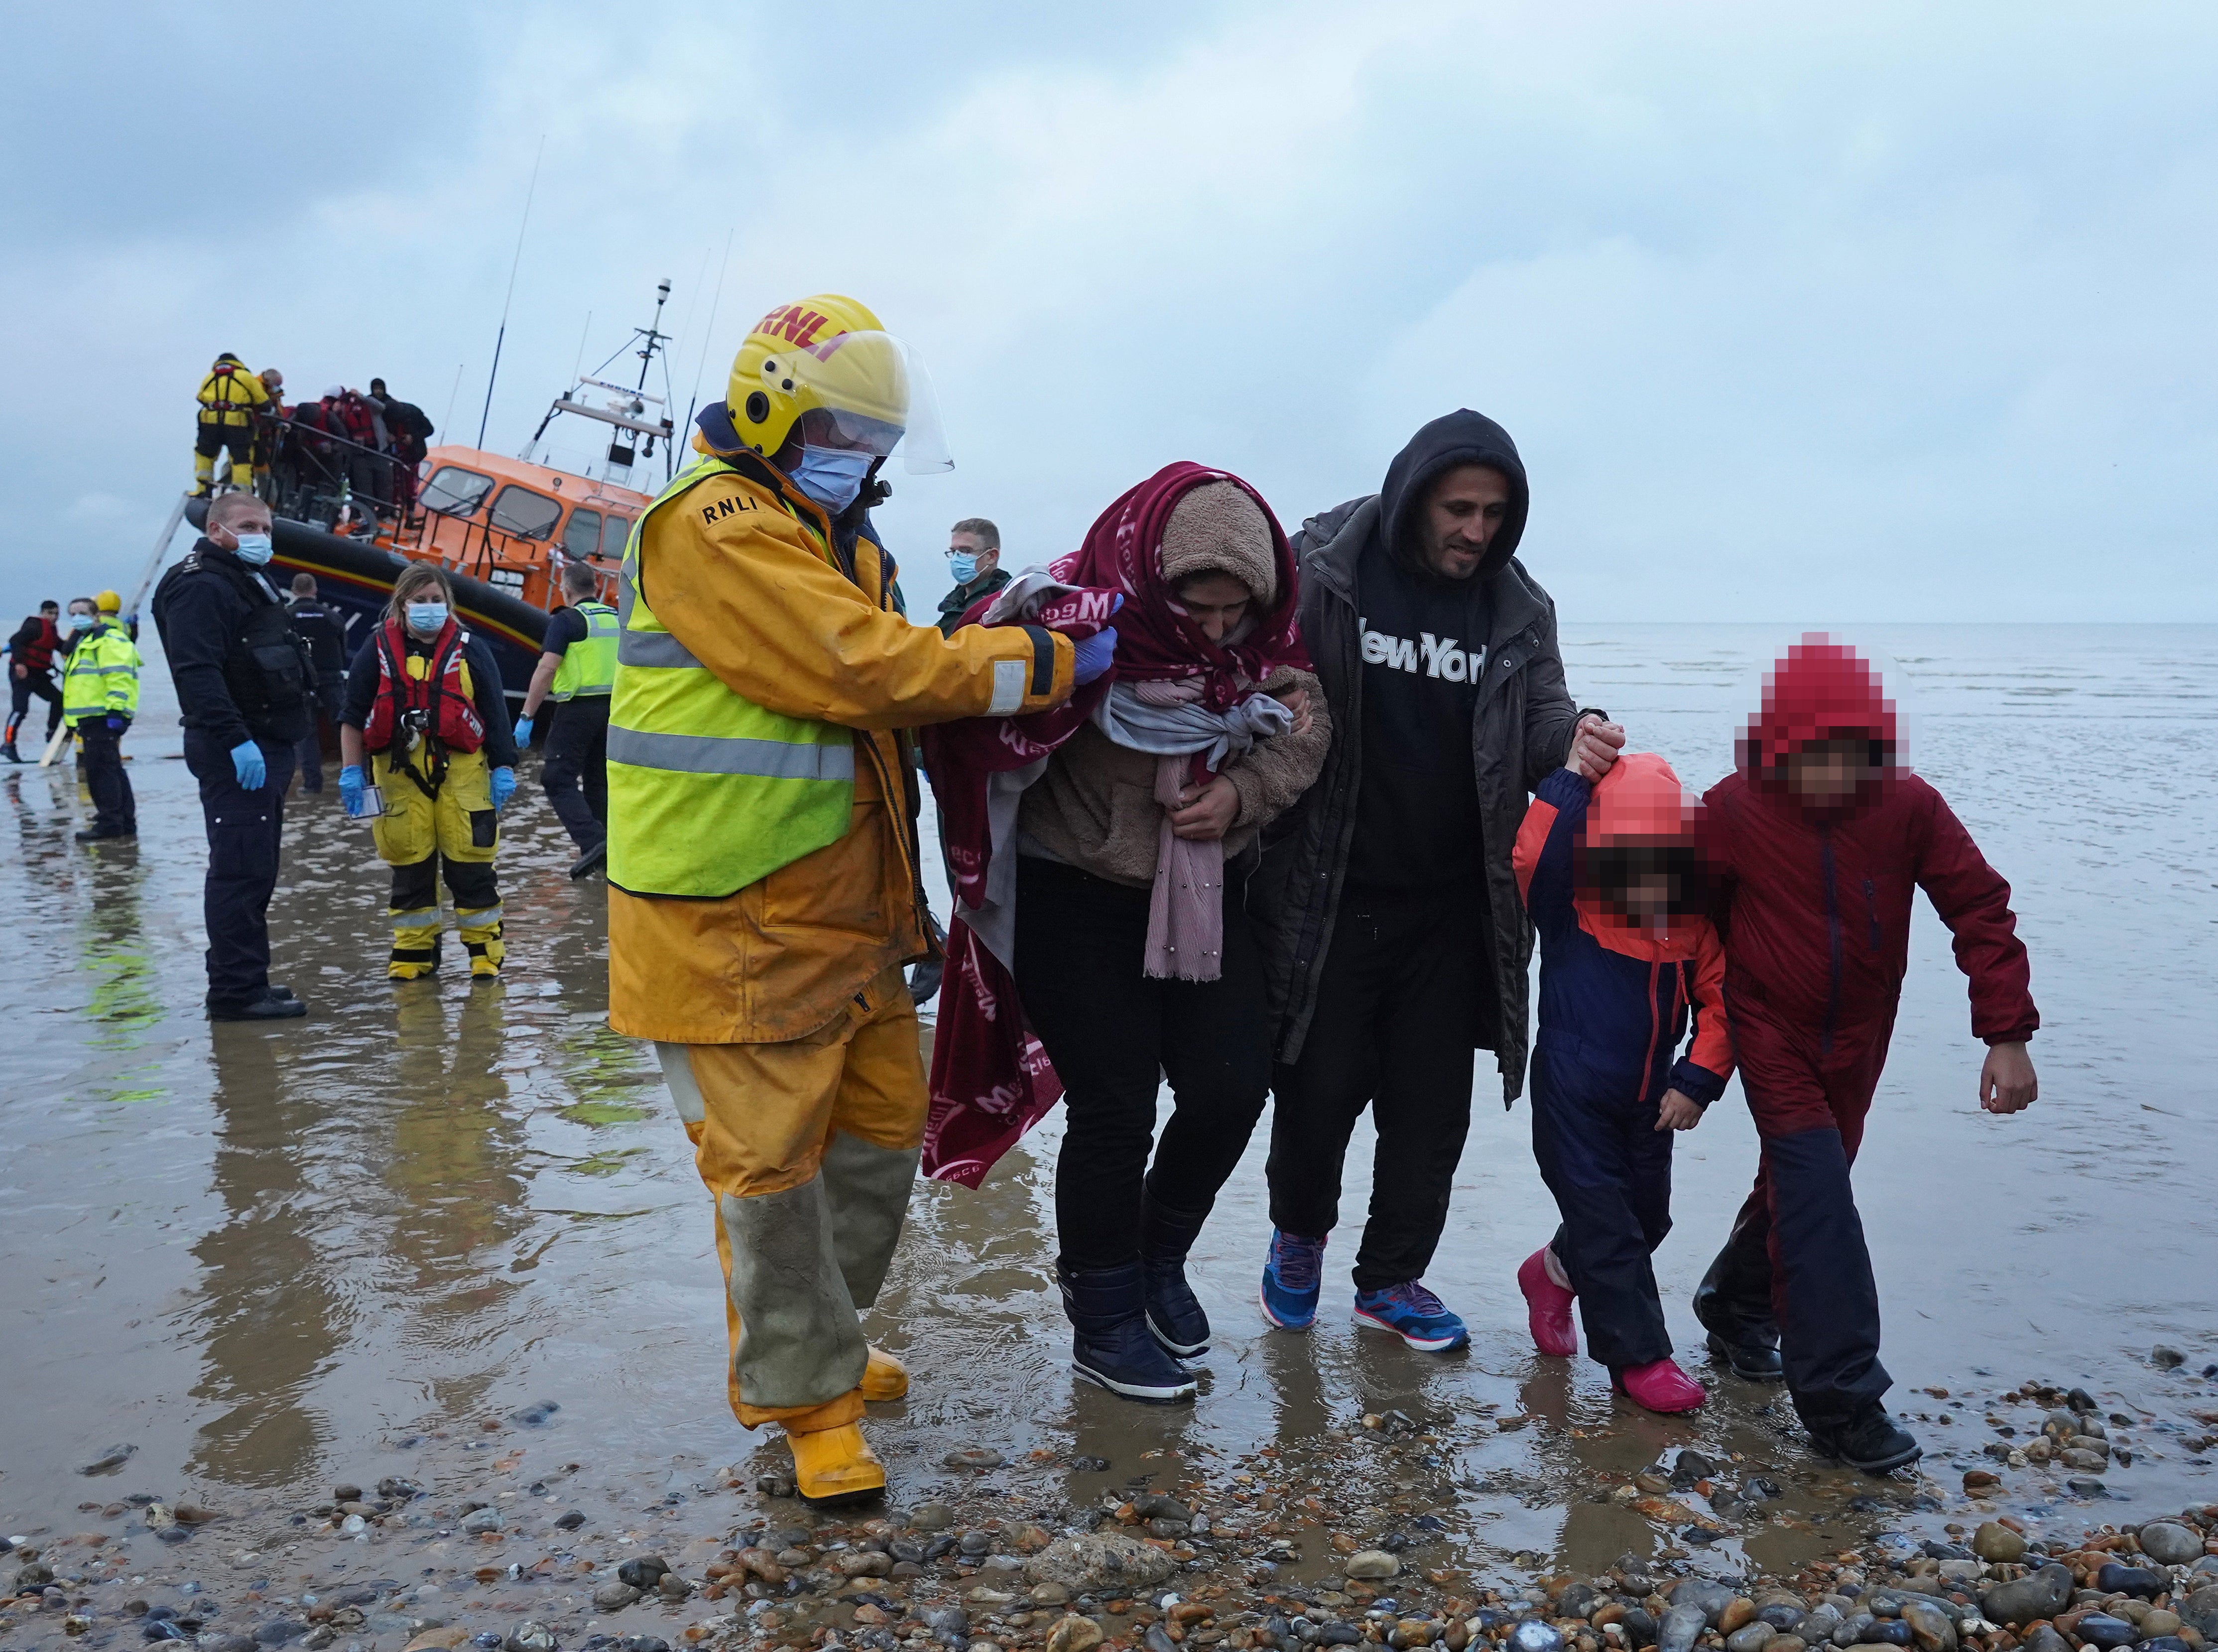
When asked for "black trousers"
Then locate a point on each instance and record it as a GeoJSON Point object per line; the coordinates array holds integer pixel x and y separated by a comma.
{"type": "Point", "coordinates": [1114, 1035]}
{"type": "Point", "coordinates": [1596, 1140]}
{"type": "Point", "coordinates": [1405, 997]}
{"type": "Point", "coordinates": [576, 769]}
{"type": "Point", "coordinates": [20, 691]}
{"type": "Point", "coordinates": [245, 831]}
{"type": "Point", "coordinates": [115, 808]}
{"type": "Point", "coordinates": [472, 884]}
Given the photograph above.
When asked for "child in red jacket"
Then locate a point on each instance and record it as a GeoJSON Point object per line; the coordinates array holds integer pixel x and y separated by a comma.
{"type": "Point", "coordinates": [1814, 846]}
{"type": "Point", "coordinates": [1628, 961]}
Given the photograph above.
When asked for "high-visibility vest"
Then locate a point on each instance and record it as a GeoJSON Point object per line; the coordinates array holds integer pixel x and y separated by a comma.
{"type": "Point", "coordinates": [707, 792]}
{"type": "Point", "coordinates": [101, 675]}
{"type": "Point", "coordinates": [589, 665]}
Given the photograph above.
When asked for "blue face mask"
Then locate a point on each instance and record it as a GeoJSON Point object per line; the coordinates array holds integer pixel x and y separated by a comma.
{"type": "Point", "coordinates": [426, 617]}
{"type": "Point", "coordinates": [832, 475]}
{"type": "Point", "coordinates": [83, 621]}
{"type": "Point", "coordinates": [962, 565]}
{"type": "Point", "coordinates": [253, 549]}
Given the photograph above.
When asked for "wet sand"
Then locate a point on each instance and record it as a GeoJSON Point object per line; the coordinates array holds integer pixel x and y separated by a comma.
{"type": "Point", "coordinates": [270, 1262]}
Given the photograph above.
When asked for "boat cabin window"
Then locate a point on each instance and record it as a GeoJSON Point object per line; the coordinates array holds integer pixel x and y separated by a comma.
{"type": "Point", "coordinates": [525, 513]}
{"type": "Point", "coordinates": [614, 532]}
{"type": "Point", "coordinates": [454, 491]}
{"type": "Point", "coordinates": [581, 535]}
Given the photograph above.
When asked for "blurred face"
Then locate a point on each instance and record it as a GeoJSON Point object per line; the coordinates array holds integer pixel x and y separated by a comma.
{"type": "Point", "coordinates": [1828, 772]}
{"type": "Point", "coordinates": [252, 517]}
{"type": "Point", "coordinates": [1215, 602]}
{"type": "Point", "coordinates": [1461, 515]}
{"type": "Point", "coordinates": [81, 613]}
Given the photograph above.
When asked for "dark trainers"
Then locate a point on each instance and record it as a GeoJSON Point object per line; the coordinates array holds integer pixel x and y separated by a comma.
{"type": "Point", "coordinates": [1110, 1344]}
{"type": "Point", "coordinates": [1749, 1351]}
{"type": "Point", "coordinates": [1174, 1315]}
{"type": "Point", "coordinates": [1870, 1440]}
{"type": "Point", "coordinates": [1413, 1314]}
{"type": "Point", "coordinates": [1293, 1274]}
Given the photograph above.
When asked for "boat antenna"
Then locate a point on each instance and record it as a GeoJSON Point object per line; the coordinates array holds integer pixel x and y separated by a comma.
{"type": "Point", "coordinates": [515, 265]}
{"type": "Point", "coordinates": [702, 361]}
{"type": "Point", "coordinates": [452, 391]}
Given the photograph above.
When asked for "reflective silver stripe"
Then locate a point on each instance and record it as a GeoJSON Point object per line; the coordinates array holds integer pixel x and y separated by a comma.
{"type": "Point", "coordinates": [477, 918]}
{"type": "Point", "coordinates": [100, 671]}
{"type": "Point", "coordinates": [653, 648]}
{"type": "Point", "coordinates": [416, 920]}
{"type": "Point", "coordinates": [702, 753]}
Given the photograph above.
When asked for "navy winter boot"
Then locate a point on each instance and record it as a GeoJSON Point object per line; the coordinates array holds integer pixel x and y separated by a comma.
{"type": "Point", "coordinates": [1111, 1342]}
{"type": "Point", "coordinates": [1174, 1314]}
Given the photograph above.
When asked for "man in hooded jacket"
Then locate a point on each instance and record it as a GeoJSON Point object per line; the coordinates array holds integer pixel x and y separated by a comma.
{"type": "Point", "coordinates": [1395, 943]}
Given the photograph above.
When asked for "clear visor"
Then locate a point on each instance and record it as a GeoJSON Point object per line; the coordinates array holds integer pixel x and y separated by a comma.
{"type": "Point", "coordinates": [867, 392]}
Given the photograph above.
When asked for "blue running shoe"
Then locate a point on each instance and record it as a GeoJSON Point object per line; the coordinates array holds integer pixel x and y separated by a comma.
{"type": "Point", "coordinates": [1413, 1314]}
{"type": "Point", "coordinates": [1293, 1275]}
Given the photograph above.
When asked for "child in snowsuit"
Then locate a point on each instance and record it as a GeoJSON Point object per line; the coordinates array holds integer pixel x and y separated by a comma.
{"type": "Point", "coordinates": [1627, 960]}
{"type": "Point", "coordinates": [1815, 846]}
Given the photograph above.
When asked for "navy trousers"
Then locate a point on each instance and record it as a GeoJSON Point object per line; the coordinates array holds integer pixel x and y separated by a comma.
{"type": "Point", "coordinates": [244, 830]}
{"type": "Point", "coordinates": [576, 769]}
{"type": "Point", "coordinates": [1595, 1136]}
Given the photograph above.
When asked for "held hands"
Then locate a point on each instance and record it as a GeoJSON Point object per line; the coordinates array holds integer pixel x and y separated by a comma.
{"type": "Point", "coordinates": [1206, 812]}
{"type": "Point", "coordinates": [2007, 1084]}
{"type": "Point", "coordinates": [503, 781]}
{"type": "Point", "coordinates": [246, 763]}
{"type": "Point", "coordinates": [353, 789]}
{"type": "Point", "coordinates": [1296, 701]}
{"type": "Point", "coordinates": [1678, 1112]}
{"type": "Point", "coordinates": [522, 732]}
{"type": "Point", "coordinates": [1595, 746]}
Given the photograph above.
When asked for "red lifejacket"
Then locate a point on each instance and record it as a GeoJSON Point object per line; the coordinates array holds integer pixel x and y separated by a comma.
{"type": "Point", "coordinates": [441, 694]}
{"type": "Point", "coordinates": [39, 655]}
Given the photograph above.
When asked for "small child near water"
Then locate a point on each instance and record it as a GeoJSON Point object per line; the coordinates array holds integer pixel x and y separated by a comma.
{"type": "Point", "coordinates": [1612, 882]}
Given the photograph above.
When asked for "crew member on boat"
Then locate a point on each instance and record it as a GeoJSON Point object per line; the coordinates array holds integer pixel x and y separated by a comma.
{"type": "Point", "coordinates": [762, 851]}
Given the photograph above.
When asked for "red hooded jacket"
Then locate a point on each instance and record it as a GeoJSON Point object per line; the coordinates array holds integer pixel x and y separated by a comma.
{"type": "Point", "coordinates": [1814, 904]}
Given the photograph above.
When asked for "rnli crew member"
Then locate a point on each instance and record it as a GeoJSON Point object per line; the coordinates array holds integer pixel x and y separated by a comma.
{"type": "Point", "coordinates": [100, 696]}
{"type": "Point", "coordinates": [326, 638]}
{"type": "Point", "coordinates": [233, 401]}
{"type": "Point", "coordinates": [31, 653]}
{"type": "Point", "coordinates": [974, 558]}
{"type": "Point", "coordinates": [269, 425]}
{"type": "Point", "coordinates": [424, 702]}
{"type": "Point", "coordinates": [243, 688]}
{"type": "Point", "coordinates": [577, 670]}
{"type": "Point", "coordinates": [762, 863]}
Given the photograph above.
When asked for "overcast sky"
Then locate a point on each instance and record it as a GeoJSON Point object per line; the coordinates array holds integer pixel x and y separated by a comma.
{"type": "Point", "coordinates": [1797, 314]}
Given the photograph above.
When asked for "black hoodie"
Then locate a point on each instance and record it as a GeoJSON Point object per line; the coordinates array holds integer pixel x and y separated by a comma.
{"type": "Point", "coordinates": [1423, 650]}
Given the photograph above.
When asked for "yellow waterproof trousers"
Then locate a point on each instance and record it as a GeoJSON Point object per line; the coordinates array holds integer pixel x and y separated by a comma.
{"type": "Point", "coordinates": [810, 1148]}
{"type": "Point", "coordinates": [414, 835]}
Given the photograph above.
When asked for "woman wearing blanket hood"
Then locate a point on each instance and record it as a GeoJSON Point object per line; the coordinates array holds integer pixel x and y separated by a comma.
{"type": "Point", "coordinates": [1129, 944]}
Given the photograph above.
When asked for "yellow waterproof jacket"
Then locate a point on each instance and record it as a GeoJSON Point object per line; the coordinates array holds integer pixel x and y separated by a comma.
{"type": "Point", "coordinates": [101, 675]}
{"type": "Point", "coordinates": [231, 395]}
{"type": "Point", "coordinates": [743, 572]}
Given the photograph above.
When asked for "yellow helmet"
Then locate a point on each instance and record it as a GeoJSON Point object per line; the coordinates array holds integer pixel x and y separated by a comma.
{"type": "Point", "coordinates": [108, 603]}
{"type": "Point", "coordinates": [826, 364]}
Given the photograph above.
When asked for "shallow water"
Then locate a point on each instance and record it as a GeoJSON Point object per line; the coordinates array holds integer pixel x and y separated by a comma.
{"type": "Point", "coordinates": [261, 1256]}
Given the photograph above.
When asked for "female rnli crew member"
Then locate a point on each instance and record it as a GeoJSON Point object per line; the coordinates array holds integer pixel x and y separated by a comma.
{"type": "Point", "coordinates": [423, 699]}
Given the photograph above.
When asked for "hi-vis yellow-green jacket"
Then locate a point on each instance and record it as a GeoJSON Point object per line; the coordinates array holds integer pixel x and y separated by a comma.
{"type": "Point", "coordinates": [102, 676]}
{"type": "Point", "coordinates": [762, 801]}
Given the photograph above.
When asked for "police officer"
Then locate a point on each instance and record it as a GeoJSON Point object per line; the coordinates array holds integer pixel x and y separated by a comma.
{"type": "Point", "coordinates": [100, 696]}
{"type": "Point", "coordinates": [326, 638]}
{"type": "Point", "coordinates": [577, 671]}
{"type": "Point", "coordinates": [243, 682]}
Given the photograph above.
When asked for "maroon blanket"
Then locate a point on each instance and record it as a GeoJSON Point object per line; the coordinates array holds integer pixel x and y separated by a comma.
{"type": "Point", "coordinates": [991, 1080]}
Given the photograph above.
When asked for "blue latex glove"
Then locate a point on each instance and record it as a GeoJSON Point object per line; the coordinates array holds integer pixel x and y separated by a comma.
{"type": "Point", "coordinates": [118, 722]}
{"type": "Point", "coordinates": [1095, 654]}
{"type": "Point", "coordinates": [246, 763]}
{"type": "Point", "coordinates": [522, 731]}
{"type": "Point", "coordinates": [354, 788]}
{"type": "Point", "coordinates": [504, 786]}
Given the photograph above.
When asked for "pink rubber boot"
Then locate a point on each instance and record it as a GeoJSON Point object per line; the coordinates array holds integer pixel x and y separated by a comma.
{"type": "Point", "coordinates": [1661, 1386]}
{"type": "Point", "coordinates": [1548, 1307]}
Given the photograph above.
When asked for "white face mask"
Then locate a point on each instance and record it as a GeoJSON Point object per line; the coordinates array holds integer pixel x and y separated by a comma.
{"type": "Point", "coordinates": [426, 617]}
{"type": "Point", "coordinates": [253, 549]}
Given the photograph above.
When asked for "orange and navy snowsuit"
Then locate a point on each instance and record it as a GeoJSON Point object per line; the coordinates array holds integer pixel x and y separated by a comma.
{"type": "Point", "coordinates": [1616, 999]}
{"type": "Point", "coordinates": [1814, 910]}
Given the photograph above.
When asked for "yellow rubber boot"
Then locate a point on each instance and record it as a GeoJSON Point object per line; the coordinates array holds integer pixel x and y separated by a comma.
{"type": "Point", "coordinates": [480, 933]}
{"type": "Point", "coordinates": [884, 1377]}
{"type": "Point", "coordinates": [835, 1465]}
{"type": "Point", "coordinates": [415, 944]}
{"type": "Point", "coordinates": [203, 474]}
